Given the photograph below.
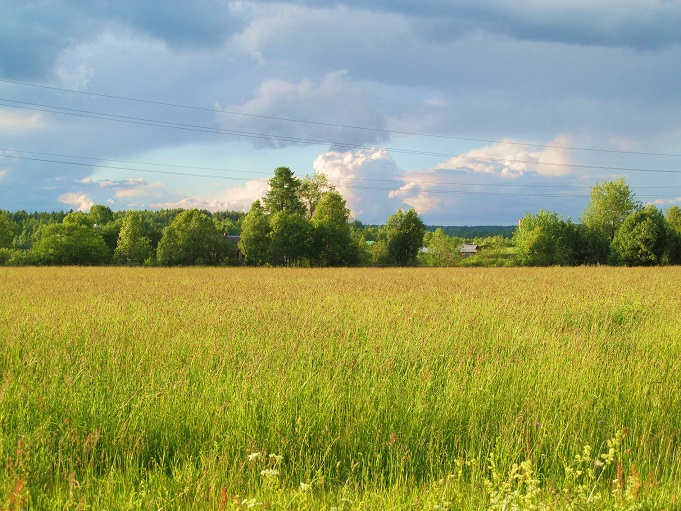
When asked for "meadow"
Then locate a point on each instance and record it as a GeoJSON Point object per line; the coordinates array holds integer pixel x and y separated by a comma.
{"type": "Point", "coordinates": [339, 389]}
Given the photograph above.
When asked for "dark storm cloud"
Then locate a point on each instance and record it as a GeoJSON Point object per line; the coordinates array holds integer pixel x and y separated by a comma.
{"type": "Point", "coordinates": [643, 24]}
{"type": "Point", "coordinates": [33, 34]}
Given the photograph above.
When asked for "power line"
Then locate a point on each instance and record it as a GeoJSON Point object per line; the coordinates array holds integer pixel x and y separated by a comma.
{"type": "Point", "coordinates": [377, 188]}
{"type": "Point", "coordinates": [190, 127]}
{"type": "Point", "coordinates": [249, 172]}
{"type": "Point", "coordinates": [336, 125]}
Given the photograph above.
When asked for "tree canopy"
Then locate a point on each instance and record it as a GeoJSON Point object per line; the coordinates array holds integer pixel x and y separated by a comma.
{"type": "Point", "coordinates": [71, 244]}
{"type": "Point", "coordinates": [405, 233]}
{"type": "Point", "coordinates": [192, 239]}
{"type": "Point", "coordinates": [611, 203]}
{"type": "Point", "coordinates": [642, 239]}
{"type": "Point", "coordinates": [133, 247]}
{"type": "Point", "coordinates": [284, 193]}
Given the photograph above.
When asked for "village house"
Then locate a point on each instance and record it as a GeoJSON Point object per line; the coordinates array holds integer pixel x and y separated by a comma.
{"type": "Point", "coordinates": [468, 249]}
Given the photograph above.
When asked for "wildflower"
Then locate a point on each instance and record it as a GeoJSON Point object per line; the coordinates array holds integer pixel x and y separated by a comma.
{"type": "Point", "coordinates": [254, 456]}
{"type": "Point", "coordinates": [269, 472]}
{"type": "Point", "coordinates": [276, 457]}
{"type": "Point", "coordinates": [304, 486]}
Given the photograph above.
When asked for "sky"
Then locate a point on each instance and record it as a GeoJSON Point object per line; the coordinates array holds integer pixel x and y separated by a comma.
{"type": "Point", "coordinates": [471, 112]}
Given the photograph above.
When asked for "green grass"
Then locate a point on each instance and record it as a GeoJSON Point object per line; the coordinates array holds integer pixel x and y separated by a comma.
{"type": "Point", "coordinates": [380, 389]}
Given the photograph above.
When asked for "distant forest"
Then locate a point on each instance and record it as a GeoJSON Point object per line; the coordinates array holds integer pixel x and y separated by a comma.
{"type": "Point", "coordinates": [306, 223]}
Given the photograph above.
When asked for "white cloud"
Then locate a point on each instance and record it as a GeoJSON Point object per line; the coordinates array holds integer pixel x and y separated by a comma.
{"type": "Point", "coordinates": [141, 189]}
{"type": "Point", "coordinates": [240, 198]}
{"type": "Point", "coordinates": [422, 201]}
{"type": "Point", "coordinates": [237, 198]}
{"type": "Point", "coordinates": [365, 178]}
{"type": "Point", "coordinates": [81, 201]}
{"type": "Point", "coordinates": [108, 183]}
{"type": "Point", "coordinates": [505, 159]}
{"type": "Point", "coordinates": [13, 122]}
{"type": "Point", "coordinates": [75, 77]}
{"type": "Point", "coordinates": [326, 105]}
{"type": "Point", "coordinates": [667, 202]}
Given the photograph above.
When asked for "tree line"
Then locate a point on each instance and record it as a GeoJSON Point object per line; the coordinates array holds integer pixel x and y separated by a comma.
{"type": "Point", "coordinates": [306, 222]}
{"type": "Point", "coordinates": [298, 223]}
{"type": "Point", "coordinates": [614, 229]}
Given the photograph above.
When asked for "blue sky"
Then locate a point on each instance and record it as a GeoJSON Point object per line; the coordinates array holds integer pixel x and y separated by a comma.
{"type": "Point", "coordinates": [471, 112]}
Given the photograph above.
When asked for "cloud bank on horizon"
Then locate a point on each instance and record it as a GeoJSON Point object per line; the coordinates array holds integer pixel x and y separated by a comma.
{"type": "Point", "coordinates": [471, 112]}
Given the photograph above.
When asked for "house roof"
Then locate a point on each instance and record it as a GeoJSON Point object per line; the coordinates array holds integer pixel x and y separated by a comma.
{"type": "Point", "coordinates": [468, 248]}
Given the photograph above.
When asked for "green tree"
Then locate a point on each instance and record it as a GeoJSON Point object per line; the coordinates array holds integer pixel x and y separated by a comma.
{"type": "Point", "coordinates": [290, 239]}
{"type": "Point", "coordinates": [333, 243]}
{"type": "Point", "coordinates": [312, 189]}
{"type": "Point", "coordinates": [77, 218]}
{"type": "Point", "coordinates": [284, 193]}
{"type": "Point", "coordinates": [611, 202]}
{"type": "Point", "coordinates": [255, 240]}
{"type": "Point", "coordinates": [101, 215]}
{"type": "Point", "coordinates": [441, 249]}
{"type": "Point", "coordinates": [546, 239]}
{"type": "Point", "coordinates": [71, 243]}
{"type": "Point", "coordinates": [405, 233]}
{"type": "Point", "coordinates": [673, 217]}
{"type": "Point", "coordinates": [132, 247]}
{"type": "Point", "coordinates": [379, 254]}
{"type": "Point", "coordinates": [8, 230]}
{"type": "Point", "coordinates": [192, 239]}
{"type": "Point", "coordinates": [641, 240]}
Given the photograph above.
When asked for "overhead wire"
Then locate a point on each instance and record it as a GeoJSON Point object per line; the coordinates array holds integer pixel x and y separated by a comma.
{"type": "Point", "coordinates": [378, 188]}
{"type": "Point", "coordinates": [299, 140]}
{"type": "Point", "coordinates": [190, 127]}
{"type": "Point", "coordinates": [335, 125]}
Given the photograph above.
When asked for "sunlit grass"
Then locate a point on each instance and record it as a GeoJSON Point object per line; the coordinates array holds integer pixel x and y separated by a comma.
{"type": "Point", "coordinates": [356, 388]}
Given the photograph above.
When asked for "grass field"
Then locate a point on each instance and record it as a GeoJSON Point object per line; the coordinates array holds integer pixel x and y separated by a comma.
{"type": "Point", "coordinates": [340, 389]}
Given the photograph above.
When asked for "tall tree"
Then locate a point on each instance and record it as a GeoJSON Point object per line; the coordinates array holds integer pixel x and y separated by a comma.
{"type": "Point", "coordinates": [191, 239]}
{"type": "Point", "coordinates": [132, 247]}
{"type": "Point", "coordinates": [290, 239]}
{"type": "Point", "coordinates": [641, 240]}
{"type": "Point", "coordinates": [611, 202]}
{"type": "Point", "coordinates": [405, 233]}
{"type": "Point", "coordinates": [312, 189]}
{"type": "Point", "coordinates": [255, 241]}
{"type": "Point", "coordinates": [332, 234]}
{"type": "Point", "coordinates": [284, 193]}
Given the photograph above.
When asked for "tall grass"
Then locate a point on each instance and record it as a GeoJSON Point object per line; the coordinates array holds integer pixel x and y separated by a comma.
{"type": "Point", "coordinates": [340, 388]}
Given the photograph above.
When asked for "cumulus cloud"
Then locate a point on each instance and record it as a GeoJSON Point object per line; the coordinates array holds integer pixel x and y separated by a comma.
{"type": "Point", "coordinates": [328, 107]}
{"type": "Point", "coordinates": [417, 197]}
{"type": "Point", "coordinates": [238, 198]}
{"type": "Point", "coordinates": [513, 159]}
{"type": "Point", "coordinates": [79, 200]}
{"type": "Point", "coordinates": [365, 178]}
